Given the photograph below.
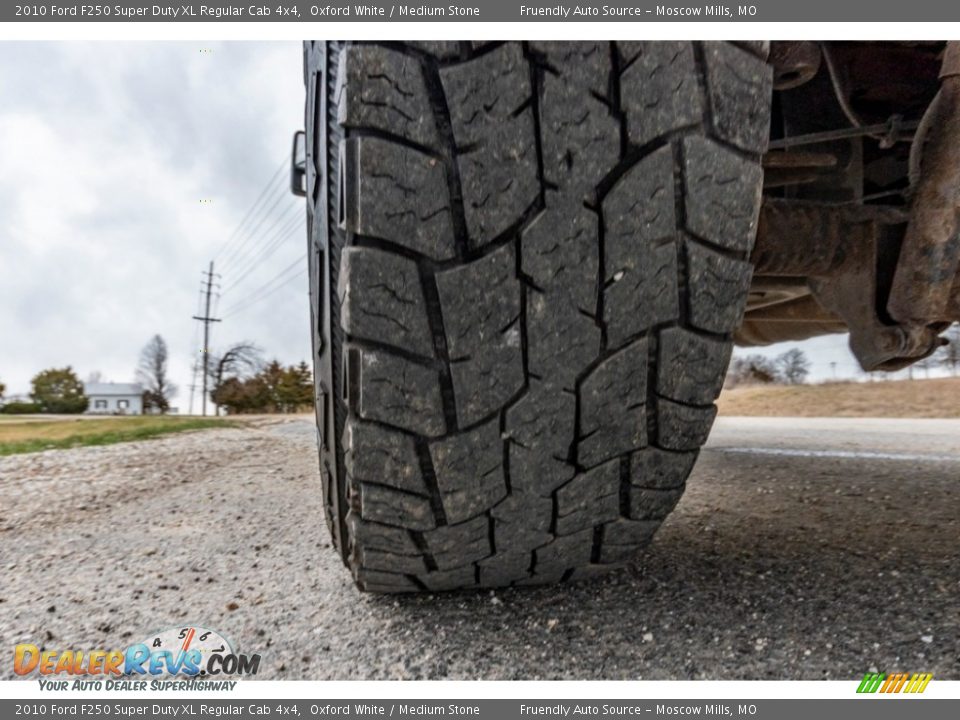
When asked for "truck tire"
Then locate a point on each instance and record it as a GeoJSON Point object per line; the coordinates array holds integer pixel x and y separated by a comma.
{"type": "Point", "coordinates": [527, 264]}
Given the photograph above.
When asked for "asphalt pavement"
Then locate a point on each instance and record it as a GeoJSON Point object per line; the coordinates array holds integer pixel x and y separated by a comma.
{"type": "Point", "coordinates": [802, 549]}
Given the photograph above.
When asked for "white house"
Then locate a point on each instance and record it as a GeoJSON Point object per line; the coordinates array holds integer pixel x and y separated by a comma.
{"type": "Point", "coordinates": [114, 398]}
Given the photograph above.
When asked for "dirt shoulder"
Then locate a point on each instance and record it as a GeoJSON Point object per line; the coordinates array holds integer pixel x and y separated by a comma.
{"type": "Point", "coordinates": [936, 398]}
{"type": "Point", "coordinates": [796, 566]}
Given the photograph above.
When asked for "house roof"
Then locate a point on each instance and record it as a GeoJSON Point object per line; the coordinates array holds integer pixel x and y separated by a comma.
{"type": "Point", "coordinates": [112, 389]}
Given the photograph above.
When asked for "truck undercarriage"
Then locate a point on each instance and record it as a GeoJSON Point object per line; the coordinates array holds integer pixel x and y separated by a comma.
{"type": "Point", "coordinates": [858, 230]}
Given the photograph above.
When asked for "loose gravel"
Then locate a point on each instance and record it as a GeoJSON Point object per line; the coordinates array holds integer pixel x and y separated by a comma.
{"type": "Point", "coordinates": [772, 567]}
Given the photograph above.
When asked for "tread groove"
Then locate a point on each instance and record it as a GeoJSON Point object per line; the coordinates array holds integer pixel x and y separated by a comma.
{"type": "Point", "coordinates": [430, 480]}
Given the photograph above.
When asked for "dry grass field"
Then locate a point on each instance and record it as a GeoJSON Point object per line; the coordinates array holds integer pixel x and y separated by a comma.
{"type": "Point", "coordinates": [32, 434]}
{"type": "Point", "coordinates": [936, 398]}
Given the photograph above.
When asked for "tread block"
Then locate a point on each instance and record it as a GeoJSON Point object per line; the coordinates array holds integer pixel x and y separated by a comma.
{"type": "Point", "coordinates": [591, 498]}
{"type": "Point", "coordinates": [563, 553]}
{"type": "Point", "coordinates": [655, 505]}
{"type": "Point", "coordinates": [538, 471]}
{"type": "Point", "coordinates": [376, 454]}
{"type": "Point", "coordinates": [477, 549]}
{"type": "Point", "coordinates": [640, 209]}
{"type": "Point", "coordinates": [480, 302]}
{"type": "Point", "coordinates": [740, 85]}
{"type": "Point", "coordinates": [521, 522]}
{"type": "Point", "coordinates": [505, 568]}
{"type": "Point", "coordinates": [722, 194]}
{"type": "Point", "coordinates": [629, 51]}
{"type": "Point", "coordinates": [642, 296]}
{"type": "Point", "coordinates": [482, 384]}
{"type": "Point", "coordinates": [396, 193]}
{"type": "Point", "coordinates": [559, 251]}
{"type": "Point", "coordinates": [547, 576]}
{"type": "Point", "coordinates": [660, 470]}
{"type": "Point", "coordinates": [384, 89]}
{"type": "Point", "coordinates": [389, 561]}
{"type": "Point", "coordinates": [381, 537]}
{"type": "Point", "coordinates": [541, 427]}
{"type": "Point", "coordinates": [561, 340]}
{"type": "Point", "coordinates": [386, 582]}
{"type": "Point", "coordinates": [613, 406]}
{"type": "Point", "coordinates": [449, 579]}
{"type": "Point", "coordinates": [457, 545]}
{"type": "Point", "coordinates": [758, 48]}
{"type": "Point", "coordinates": [691, 367]}
{"type": "Point", "coordinates": [443, 49]}
{"type": "Point", "coordinates": [392, 507]}
{"type": "Point", "coordinates": [640, 260]}
{"type": "Point", "coordinates": [381, 299]}
{"type": "Point", "coordinates": [483, 94]}
{"type": "Point", "coordinates": [398, 392]}
{"type": "Point", "coordinates": [469, 469]}
{"type": "Point", "coordinates": [499, 179]}
{"type": "Point", "coordinates": [718, 287]}
{"type": "Point", "coordinates": [635, 533]}
{"type": "Point", "coordinates": [683, 427]}
{"type": "Point", "coordinates": [586, 64]}
{"type": "Point", "coordinates": [659, 91]}
{"type": "Point", "coordinates": [581, 139]}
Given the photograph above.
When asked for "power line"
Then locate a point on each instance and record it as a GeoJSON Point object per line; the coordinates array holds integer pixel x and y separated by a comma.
{"type": "Point", "coordinates": [251, 234]}
{"type": "Point", "coordinates": [266, 288]}
{"type": "Point", "coordinates": [271, 292]}
{"type": "Point", "coordinates": [283, 220]}
{"type": "Point", "coordinates": [250, 212]}
{"type": "Point", "coordinates": [285, 233]}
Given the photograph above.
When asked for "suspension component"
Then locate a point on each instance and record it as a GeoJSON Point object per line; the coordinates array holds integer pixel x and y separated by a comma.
{"type": "Point", "coordinates": [930, 255]}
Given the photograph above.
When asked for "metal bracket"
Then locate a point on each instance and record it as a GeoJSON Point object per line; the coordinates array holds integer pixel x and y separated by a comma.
{"type": "Point", "coordinates": [298, 165]}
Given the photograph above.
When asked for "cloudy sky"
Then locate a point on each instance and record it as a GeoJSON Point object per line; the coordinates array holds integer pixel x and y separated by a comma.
{"type": "Point", "coordinates": [124, 169]}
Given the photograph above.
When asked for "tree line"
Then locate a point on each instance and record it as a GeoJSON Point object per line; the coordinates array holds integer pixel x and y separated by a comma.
{"type": "Point", "coordinates": [792, 367]}
{"type": "Point", "coordinates": [240, 381]}
{"type": "Point", "coordinates": [789, 368]}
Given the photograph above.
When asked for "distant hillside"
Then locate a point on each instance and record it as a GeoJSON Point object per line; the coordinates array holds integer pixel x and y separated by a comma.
{"type": "Point", "coordinates": [938, 398]}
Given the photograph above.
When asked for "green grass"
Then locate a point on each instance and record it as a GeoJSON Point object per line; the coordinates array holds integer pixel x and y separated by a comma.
{"type": "Point", "coordinates": [60, 434]}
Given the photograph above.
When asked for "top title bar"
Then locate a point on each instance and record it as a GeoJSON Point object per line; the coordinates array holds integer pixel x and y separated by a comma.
{"type": "Point", "coordinates": [484, 11]}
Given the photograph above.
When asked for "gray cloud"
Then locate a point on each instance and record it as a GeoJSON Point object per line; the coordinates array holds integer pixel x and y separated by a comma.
{"type": "Point", "coordinates": [106, 151]}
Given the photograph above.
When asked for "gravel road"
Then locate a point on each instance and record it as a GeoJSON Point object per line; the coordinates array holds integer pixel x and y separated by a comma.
{"type": "Point", "coordinates": [779, 563]}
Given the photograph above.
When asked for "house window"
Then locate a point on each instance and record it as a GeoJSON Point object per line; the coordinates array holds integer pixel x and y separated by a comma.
{"type": "Point", "coordinates": [99, 404]}
{"type": "Point", "coordinates": [123, 404]}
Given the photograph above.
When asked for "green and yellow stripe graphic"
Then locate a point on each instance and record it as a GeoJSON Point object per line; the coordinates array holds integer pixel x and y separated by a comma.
{"type": "Point", "coordinates": [894, 683]}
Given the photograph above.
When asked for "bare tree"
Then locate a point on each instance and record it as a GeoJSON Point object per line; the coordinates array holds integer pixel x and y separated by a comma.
{"type": "Point", "coordinates": [236, 361]}
{"type": "Point", "coordinates": [950, 354]}
{"type": "Point", "coordinates": [752, 370]}
{"type": "Point", "coordinates": [94, 377]}
{"type": "Point", "coordinates": [152, 374]}
{"type": "Point", "coordinates": [927, 364]}
{"type": "Point", "coordinates": [794, 366]}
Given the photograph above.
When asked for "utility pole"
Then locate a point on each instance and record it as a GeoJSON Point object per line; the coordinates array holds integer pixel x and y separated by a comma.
{"type": "Point", "coordinates": [193, 383]}
{"type": "Point", "coordinates": [206, 320]}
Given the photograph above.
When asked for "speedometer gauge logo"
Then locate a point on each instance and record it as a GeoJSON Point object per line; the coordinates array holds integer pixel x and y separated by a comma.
{"type": "Point", "coordinates": [195, 638]}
